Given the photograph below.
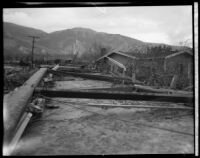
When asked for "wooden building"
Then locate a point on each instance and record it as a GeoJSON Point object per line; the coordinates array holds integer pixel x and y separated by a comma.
{"type": "Point", "coordinates": [180, 64]}
{"type": "Point", "coordinates": [117, 63]}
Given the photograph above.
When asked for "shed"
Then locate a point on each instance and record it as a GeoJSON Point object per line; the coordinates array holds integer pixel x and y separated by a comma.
{"type": "Point", "coordinates": [116, 62]}
{"type": "Point", "coordinates": [180, 64]}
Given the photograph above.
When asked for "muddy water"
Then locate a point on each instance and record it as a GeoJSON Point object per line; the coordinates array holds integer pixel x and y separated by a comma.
{"type": "Point", "coordinates": [75, 129]}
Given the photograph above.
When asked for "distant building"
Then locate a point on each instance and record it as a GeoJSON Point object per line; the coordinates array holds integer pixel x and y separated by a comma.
{"type": "Point", "coordinates": [180, 63]}
{"type": "Point", "coordinates": [117, 63]}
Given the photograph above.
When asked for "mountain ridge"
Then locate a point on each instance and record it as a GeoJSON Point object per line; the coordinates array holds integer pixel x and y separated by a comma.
{"type": "Point", "coordinates": [61, 43]}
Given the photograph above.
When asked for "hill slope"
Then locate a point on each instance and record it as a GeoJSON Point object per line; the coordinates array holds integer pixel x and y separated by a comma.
{"type": "Point", "coordinates": [89, 42]}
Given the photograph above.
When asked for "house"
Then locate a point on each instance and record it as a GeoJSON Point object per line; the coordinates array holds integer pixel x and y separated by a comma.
{"type": "Point", "coordinates": [116, 62]}
{"type": "Point", "coordinates": [180, 64]}
{"type": "Point", "coordinates": [182, 59]}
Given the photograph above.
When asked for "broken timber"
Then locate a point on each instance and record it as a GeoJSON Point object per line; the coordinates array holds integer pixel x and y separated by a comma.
{"type": "Point", "coordinates": [95, 77]}
{"type": "Point", "coordinates": [121, 88]}
{"type": "Point", "coordinates": [16, 101]}
{"type": "Point", "coordinates": [70, 68]}
{"type": "Point", "coordinates": [133, 106]}
{"type": "Point", "coordinates": [116, 95]}
{"type": "Point", "coordinates": [141, 88]}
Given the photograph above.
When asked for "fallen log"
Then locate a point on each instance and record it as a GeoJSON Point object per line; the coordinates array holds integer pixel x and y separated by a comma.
{"type": "Point", "coordinates": [116, 95]}
{"type": "Point", "coordinates": [95, 77]}
{"type": "Point", "coordinates": [141, 88]}
{"type": "Point", "coordinates": [68, 68]}
{"type": "Point", "coordinates": [123, 88]}
{"type": "Point", "coordinates": [16, 101]}
{"type": "Point", "coordinates": [136, 106]}
{"type": "Point", "coordinates": [19, 132]}
{"type": "Point", "coordinates": [105, 105]}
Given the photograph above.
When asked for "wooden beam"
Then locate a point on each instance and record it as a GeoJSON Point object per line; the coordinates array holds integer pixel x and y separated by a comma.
{"type": "Point", "coordinates": [95, 77]}
{"type": "Point", "coordinates": [116, 95]}
{"type": "Point", "coordinates": [141, 88]}
{"type": "Point", "coordinates": [19, 132]}
{"type": "Point", "coordinates": [117, 63]}
{"type": "Point", "coordinates": [122, 88]}
{"type": "Point", "coordinates": [16, 101]}
{"type": "Point", "coordinates": [132, 106]}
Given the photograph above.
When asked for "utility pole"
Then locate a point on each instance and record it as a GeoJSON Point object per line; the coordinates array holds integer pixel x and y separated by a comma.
{"type": "Point", "coordinates": [47, 58]}
{"type": "Point", "coordinates": [32, 53]}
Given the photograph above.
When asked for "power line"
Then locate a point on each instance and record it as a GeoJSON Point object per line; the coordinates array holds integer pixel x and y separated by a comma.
{"type": "Point", "coordinates": [131, 123]}
{"type": "Point", "coordinates": [32, 52]}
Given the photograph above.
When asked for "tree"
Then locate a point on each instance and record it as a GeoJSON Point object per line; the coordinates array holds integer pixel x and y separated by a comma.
{"type": "Point", "coordinates": [186, 43]}
{"type": "Point", "coordinates": [95, 51]}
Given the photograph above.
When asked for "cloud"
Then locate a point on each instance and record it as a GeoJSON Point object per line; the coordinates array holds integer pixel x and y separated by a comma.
{"type": "Point", "coordinates": [153, 37]}
{"type": "Point", "coordinates": [169, 24]}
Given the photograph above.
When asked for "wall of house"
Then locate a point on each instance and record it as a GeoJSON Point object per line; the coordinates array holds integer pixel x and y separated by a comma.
{"type": "Point", "coordinates": [129, 63]}
{"type": "Point", "coordinates": [145, 68]}
{"type": "Point", "coordinates": [180, 64]}
{"type": "Point", "coordinates": [183, 66]}
{"type": "Point", "coordinates": [103, 65]}
{"type": "Point", "coordinates": [115, 69]}
{"type": "Point", "coordinates": [120, 58]}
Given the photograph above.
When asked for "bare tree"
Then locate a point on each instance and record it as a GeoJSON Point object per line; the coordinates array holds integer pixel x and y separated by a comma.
{"type": "Point", "coordinates": [186, 43]}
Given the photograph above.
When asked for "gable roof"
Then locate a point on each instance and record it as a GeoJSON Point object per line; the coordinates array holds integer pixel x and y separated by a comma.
{"type": "Point", "coordinates": [116, 52]}
{"type": "Point", "coordinates": [179, 53]}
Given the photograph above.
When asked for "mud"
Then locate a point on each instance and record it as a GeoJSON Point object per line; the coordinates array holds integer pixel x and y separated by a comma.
{"type": "Point", "coordinates": [75, 129]}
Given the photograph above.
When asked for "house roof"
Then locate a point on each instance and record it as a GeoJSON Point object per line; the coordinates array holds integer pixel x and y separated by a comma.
{"type": "Point", "coordinates": [179, 53]}
{"type": "Point", "coordinates": [116, 52]}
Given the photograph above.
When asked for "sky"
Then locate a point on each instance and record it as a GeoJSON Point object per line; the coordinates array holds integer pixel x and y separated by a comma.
{"type": "Point", "coordinates": [156, 24]}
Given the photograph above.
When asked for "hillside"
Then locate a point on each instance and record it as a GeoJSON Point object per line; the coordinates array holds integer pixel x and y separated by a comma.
{"type": "Point", "coordinates": [90, 44]}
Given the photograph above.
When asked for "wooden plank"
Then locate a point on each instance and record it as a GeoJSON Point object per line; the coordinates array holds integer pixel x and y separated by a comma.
{"type": "Point", "coordinates": [116, 95]}
{"type": "Point", "coordinates": [19, 132]}
{"type": "Point", "coordinates": [174, 81]}
{"type": "Point", "coordinates": [134, 106]}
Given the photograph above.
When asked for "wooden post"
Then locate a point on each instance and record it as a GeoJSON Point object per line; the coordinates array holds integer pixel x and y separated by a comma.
{"type": "Point", "coordinates": [133, 77]}
{"type": "Point", "coordinates": [175, 78]}
{"type": "Point", "coordinates": [123, 76]}
{"type": "Point", "coordinates": [174, 81]}
{"type": "Point", "coordinates": [190, 74]}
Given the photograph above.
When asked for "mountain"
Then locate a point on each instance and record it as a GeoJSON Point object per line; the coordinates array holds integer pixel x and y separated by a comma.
{"type": "Point", "coordinates": [59, 44]}
{"type": "Point", "coordinates": [16, 40]}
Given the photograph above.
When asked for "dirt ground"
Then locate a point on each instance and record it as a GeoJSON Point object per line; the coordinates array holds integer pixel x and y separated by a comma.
{"type": "Point", "coordinates": [75, 129]}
